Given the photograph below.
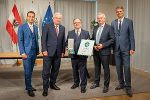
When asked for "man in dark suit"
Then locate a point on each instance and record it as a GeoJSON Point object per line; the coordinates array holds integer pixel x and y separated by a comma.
{"type": "Point", "coordinates": [29, 48]}
{"type": "Point", "coordinates": [78, 61]}
{"type": "Point", "coordinates": [123, 47]}
{"type": "Point", "coordinates": [104, 38]}
{"type": "Point", "coordinates": [53, 48]}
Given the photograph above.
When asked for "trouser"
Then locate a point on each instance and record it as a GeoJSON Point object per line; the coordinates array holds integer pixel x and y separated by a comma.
{"type": "Point", "coordinates": [123, 58]}
{"type": "Point", "coordinates": [51, 67]}
{"type": "Point", "coordinates": [79, 64]}
{"type": "Point", "coordinates": [28, 68]}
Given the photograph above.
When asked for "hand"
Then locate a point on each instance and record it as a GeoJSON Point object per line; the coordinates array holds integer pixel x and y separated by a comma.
{"type": "Point", "coordinates": [131, 51]}
{"type": "Point", "coordinates": [45, 53]}
{"type": "Point", "coordinates": [96, 48]}
{"type": "Point", "coordinates": [66, 48]}
{"type": "Point", "coordinates": [24, 56]}
{"type": "Point", "coordinates": [100, 46]}
{"type": "Point", "coordinates": [112, 51]}
{"type": "Point", "coordinates": [38, 53]}
{"type": "Point", "coordinates": [62, 55]}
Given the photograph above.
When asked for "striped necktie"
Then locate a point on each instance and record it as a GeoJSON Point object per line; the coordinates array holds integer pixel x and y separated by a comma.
{"type": "Point", "coordinates": [31, 28]}
{"type": "Point", "coordinates": [99, 35]}
{"type": "Point", "coordinates": [57, 30]}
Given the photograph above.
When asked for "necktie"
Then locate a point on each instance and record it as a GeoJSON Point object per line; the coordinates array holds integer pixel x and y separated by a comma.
{"type": "Point", "coordinates": [119, 25]}
{"type": "Point", "coordinates": [77, 33]}
{"type": "Point", "coordinates": [99, 35]}
{"type": "Point", "coordinates": [57, 30]}
{"type": "Point", "coordinates": [31, 27]}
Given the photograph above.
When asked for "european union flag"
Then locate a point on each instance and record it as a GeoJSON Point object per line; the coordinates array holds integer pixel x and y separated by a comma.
{"type": "Point", "coordinates": [48, 16]}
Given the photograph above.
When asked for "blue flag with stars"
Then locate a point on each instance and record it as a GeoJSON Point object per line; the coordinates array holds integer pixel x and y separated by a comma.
{"type": "Point", "coordinates": [48, 16]}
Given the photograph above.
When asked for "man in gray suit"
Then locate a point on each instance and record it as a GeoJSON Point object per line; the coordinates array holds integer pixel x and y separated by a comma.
{"type": "Point", "coordinates": [78, 61]}
{"type": "Point", "coordinates": [104, 37]}
{"type": "Point", "coordinates": [53, 48]}
{"type": "Point", "coordinates": [123, 47]}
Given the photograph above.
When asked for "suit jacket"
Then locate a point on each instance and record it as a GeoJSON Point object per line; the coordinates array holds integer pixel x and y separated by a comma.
{"type": "Point", "coordinates": [124, 39]}
{"type": "Point", "coordinates": [106, 39]}
{"type": "Point", "coordinates": [25, 38]}
{"type": "Point", "coordinates": [50, 42]}
{"type": "Point", "coordinates": [72, 35]}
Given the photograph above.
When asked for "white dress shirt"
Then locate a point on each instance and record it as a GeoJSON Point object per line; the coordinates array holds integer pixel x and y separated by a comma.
{"type": "Point", "coordinates": [119, 22]}
{"type": "Point", "coordinates": [79, 32]}
{"type": "Point", "coordinates": [99, 30]}
{"type": "Point", "coordinates": [31, 27]}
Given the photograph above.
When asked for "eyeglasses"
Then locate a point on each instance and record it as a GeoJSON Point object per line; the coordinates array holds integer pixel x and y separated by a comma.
{"type": "Point", "coordinates": [77, 22]}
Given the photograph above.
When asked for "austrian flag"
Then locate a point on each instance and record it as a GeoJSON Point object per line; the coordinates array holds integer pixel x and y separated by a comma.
{"type": "Point", "coordinates": [13, 23]}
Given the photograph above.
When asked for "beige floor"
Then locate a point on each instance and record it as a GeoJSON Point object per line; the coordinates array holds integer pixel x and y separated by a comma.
{"type": "Point", "coordinates": [139, 96]}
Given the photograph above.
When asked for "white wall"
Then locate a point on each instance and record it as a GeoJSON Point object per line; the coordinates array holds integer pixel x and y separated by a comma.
{"type": "Point", "coordinates": [139, 11]}
{"type": "Point", "coordinates": [70, 9]}
{"type": "Point", "coordinates": [108, 7]}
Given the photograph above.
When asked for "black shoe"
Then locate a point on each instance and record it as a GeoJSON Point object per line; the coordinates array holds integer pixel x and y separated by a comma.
{"type": "Point", "coordinates": [129, 92]}
{"type": "Point", "coordinates": [33, 89]}
{"type": "Point", "coordinates": [45, 93]}
{"type": "Point", "coordinates": [105, 89]}
{"type": "Point", "coordinates": [83, 90]}
{"type": "Point", "coordinates": [31, 93]}
{"type": "Point", "coordinates": [119, 87]}
{"type": "Point", "coordinates": [54, 87]}
{"type": "Point", "coordinates": [74, 86]}
{"type": "Point", "coordinates": [94, 86]}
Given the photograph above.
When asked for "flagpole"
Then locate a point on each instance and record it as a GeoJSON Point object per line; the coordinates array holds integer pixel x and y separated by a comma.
{"type": "Point", "coordinates": [54, 6]}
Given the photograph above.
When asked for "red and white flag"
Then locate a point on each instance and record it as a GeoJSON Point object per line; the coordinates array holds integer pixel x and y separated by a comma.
{"type": "Point", "coordinates": [13, 23]}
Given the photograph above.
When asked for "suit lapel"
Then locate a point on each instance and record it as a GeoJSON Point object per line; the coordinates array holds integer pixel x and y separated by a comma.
{"type": "Point", "coordinates": [34, 28]}
{"type": "Point", "coordinates": [54, 29]}
{"type": "Point", "coordinates": [96, 29]}
{"type": "Point", "coordinates": [74, 35]}
{"type": "Point", "coordinates": [35, 32]}
{"type": "Point", "coordinates": [28, 29]}
{"type": "Point", "coordinates": [60, 30]}
{"type": "Point", "coordinates": [123, 24]}
{"type": "Point", "coordinates": [103, 32]}
{"type": "Point", "coordinates": [116, 24]}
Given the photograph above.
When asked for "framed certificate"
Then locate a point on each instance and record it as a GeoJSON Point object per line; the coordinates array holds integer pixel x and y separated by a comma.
{"type": "Point", "coordinates": [86, 47]}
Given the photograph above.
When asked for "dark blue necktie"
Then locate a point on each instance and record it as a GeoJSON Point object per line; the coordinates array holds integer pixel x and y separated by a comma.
{"type": "Point", "coordinates": [119, 25]}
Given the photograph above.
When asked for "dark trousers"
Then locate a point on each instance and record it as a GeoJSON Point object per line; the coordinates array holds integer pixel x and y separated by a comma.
{"type": "Point", "coordinates": [51, 67]}
{"type": "Point", "coordinates": [28, 68]}
{"type": "Point", "coordinates": [104, 60]}
{"type": "Point", "coordinates": [123, 58]}
{"type": "Point", "coordinates": [79, 64]}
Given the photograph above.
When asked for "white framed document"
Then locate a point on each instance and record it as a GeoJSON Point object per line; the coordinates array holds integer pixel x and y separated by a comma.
{"type": "Point", "coordinates": [86, 47]}
{"type": "Point", "coordinates": [71, 46]}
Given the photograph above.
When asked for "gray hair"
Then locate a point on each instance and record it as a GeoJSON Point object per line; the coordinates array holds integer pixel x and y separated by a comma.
{"type": "Point", "coordinates": [120, 7]}
{"type": "Point", "coordinates": [57, 13]}
{"type": "Point", "coordinates": [101, 14]}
